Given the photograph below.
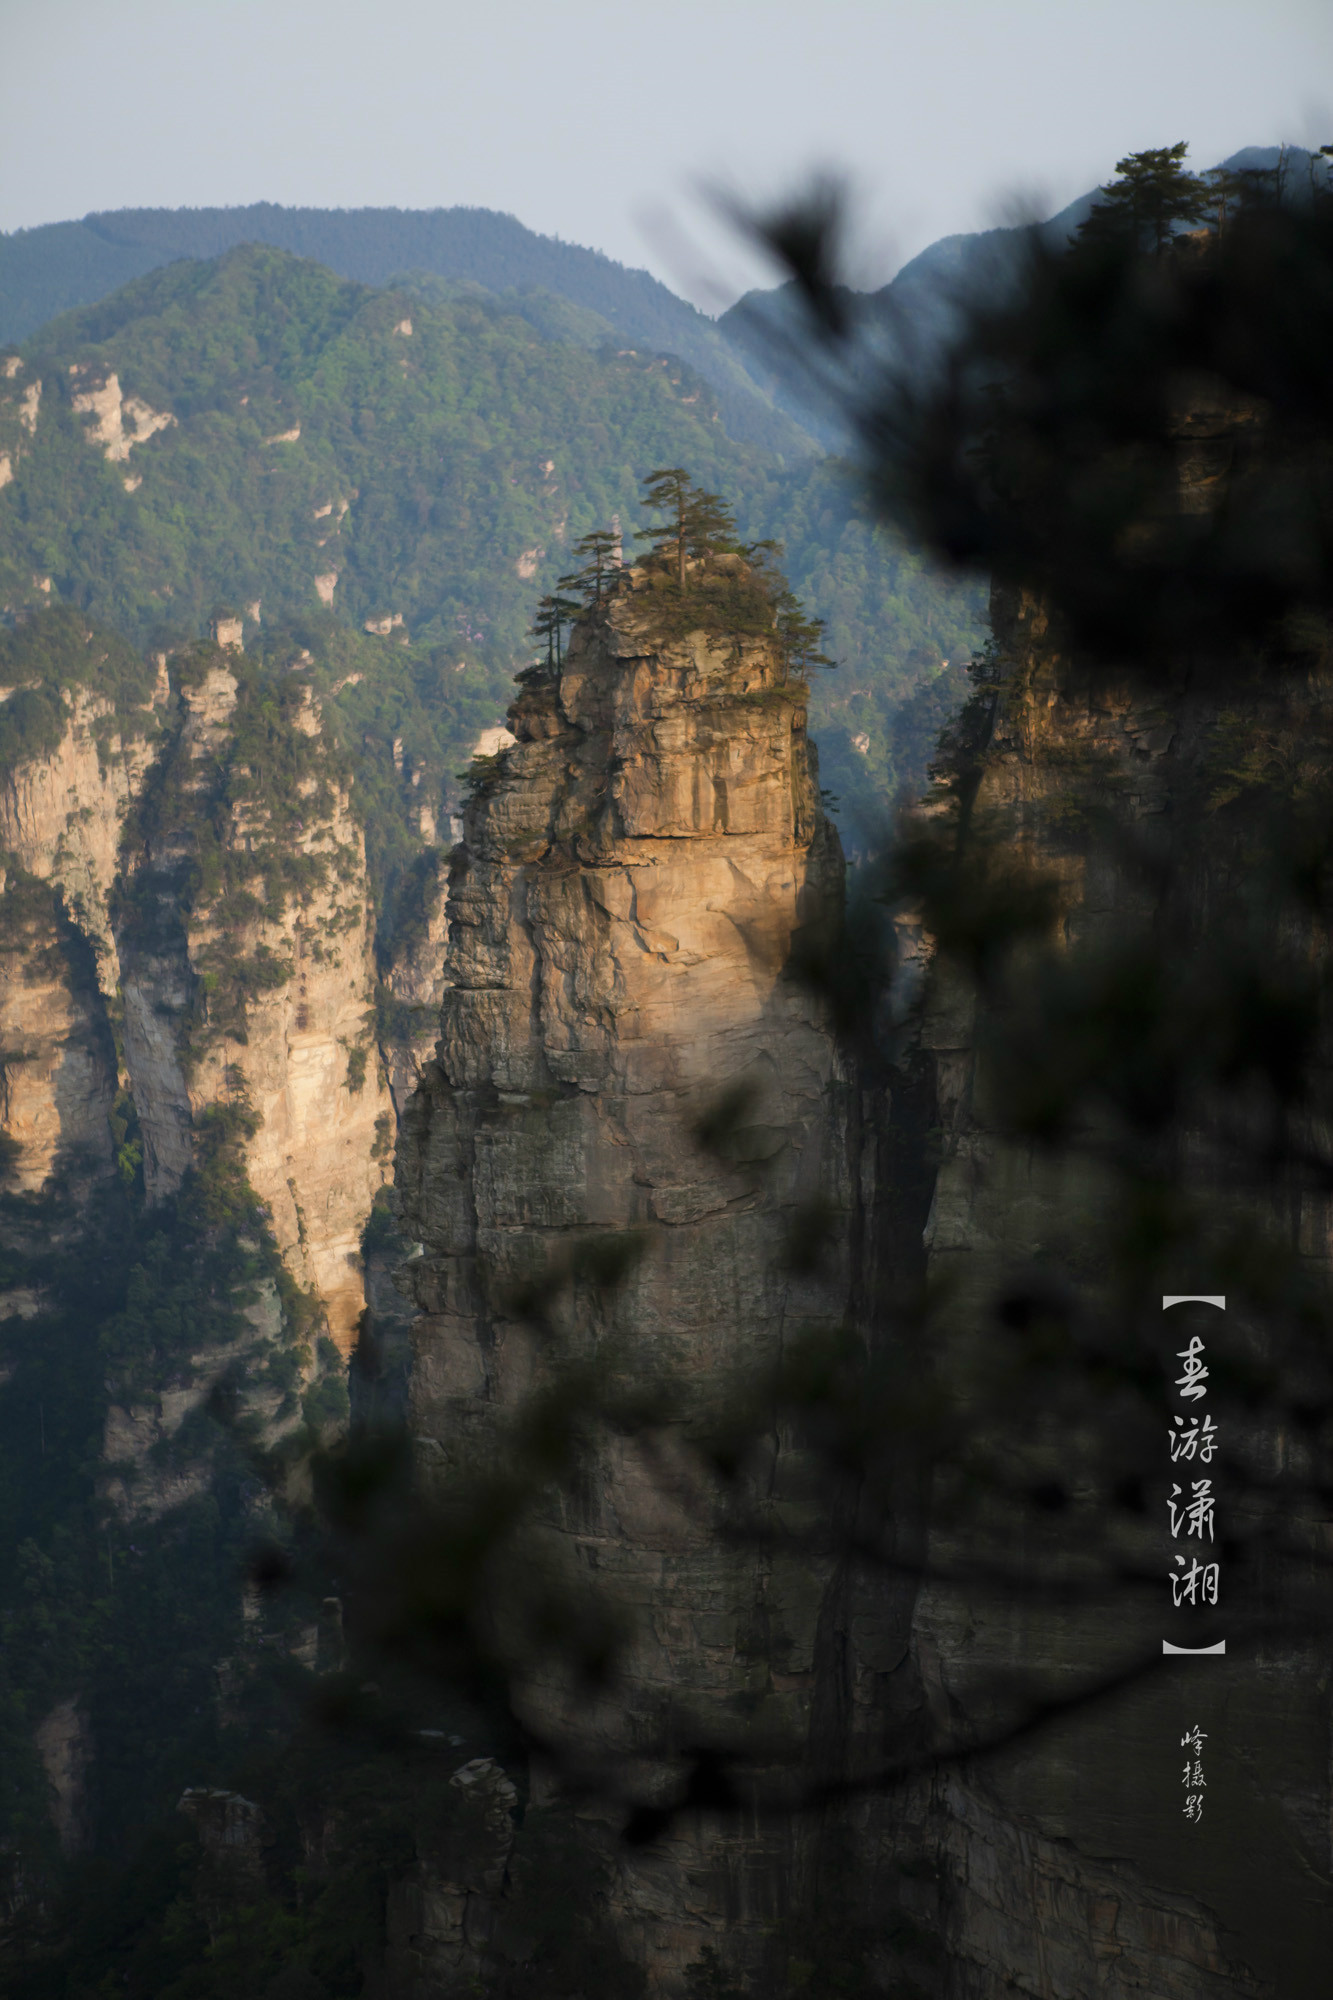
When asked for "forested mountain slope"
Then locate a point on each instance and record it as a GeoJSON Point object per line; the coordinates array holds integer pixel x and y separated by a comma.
{"type": "Point", "coordinates": [48, 270]}
{"type": "Point", "coordinates": [254, 433]}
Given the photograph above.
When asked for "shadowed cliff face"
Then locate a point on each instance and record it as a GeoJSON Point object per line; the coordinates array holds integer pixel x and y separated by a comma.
{"type": "Point", "coordinates": [1237, 1902]}
{"type": "Point", "coordinates": [638, 872]}
{"type": "Point", "coordinates": [1060, 1865]}
{"type": "Point", "coordinates": [61, 817]}
{"type": "Point", "coordinates": [1159, 808]}
{"type": "Point", "coordinates": [57, 1070]}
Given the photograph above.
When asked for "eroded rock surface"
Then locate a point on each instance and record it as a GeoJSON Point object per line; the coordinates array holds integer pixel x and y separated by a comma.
{"type": "Point", "coordinates": [57, 1060]}
{"type": "Point", "coordinates": [415, 979]}
{"type": "Point", "coordinates": [64, 1746]}
{"type": "Point", "coordinates": [638, 877]}
{"type": "Point", "coordinates": [439, 1921]}
{"type": "Point", "coordinates": [639, 873]}
{"type": "Point", "coordinates": [258, 990]}
{"type": "Point", "coordinates": [62, 815]}
{"type": "Point", "coordinates": [145, 901]}
{"type": "Point", "coordinates": [118, 422]}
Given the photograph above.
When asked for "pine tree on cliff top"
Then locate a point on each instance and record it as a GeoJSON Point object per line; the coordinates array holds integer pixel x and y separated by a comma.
{"type": "Point", "coordinates": [554, 613]}
{"type": "Point", "coordinates": [698, 523]}
{"type": "Point", "coordinates": [601, 566]}
{"type": "Point", "coordinates": [1153, 196]}
{"type": "Point", "coordinates": [668, 490]}
{"type": "Point", "coordinates": [800, 637]}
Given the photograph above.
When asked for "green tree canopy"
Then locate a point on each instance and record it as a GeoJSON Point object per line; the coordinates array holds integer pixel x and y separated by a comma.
{"type": "Point", "coordinates": [801, 637]}
{"type": "Point", "coordinates": [600, 565]}
{"type": "Point", "coordinates": [554, 613]}
{"type": "Point", "coordinates": [697, 523]}
{"type": "Point", "coordinates": [1152, 198]}
{"type": "Point", "coordinates": [1228, 189]}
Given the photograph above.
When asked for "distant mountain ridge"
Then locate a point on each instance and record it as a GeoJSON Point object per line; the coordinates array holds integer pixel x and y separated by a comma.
{"type": "Point", "coordinates": [414, 463]}
{"type": "Point", "coordinates": [52, 269]}
{"type": "Point", "coordinates": [910, 317]}
{"type": "Point", "coordinates": [763, 396]}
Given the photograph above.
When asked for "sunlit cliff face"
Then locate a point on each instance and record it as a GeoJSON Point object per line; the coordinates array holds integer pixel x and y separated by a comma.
{"type": "Point", "coordinates": [639, 871]}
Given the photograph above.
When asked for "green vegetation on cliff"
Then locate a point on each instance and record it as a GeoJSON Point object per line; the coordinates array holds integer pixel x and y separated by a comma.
{"type": "Point", "coordinates": [436, 470]}
{"type": "Point", "coordinates": [62, 649]}
{"type": "Point", "coordinates": [222, 840]}
{"type": "Point", "coordinates": [129, 1616]}
{"type": "Point", "coordinates": [569, 293]}
{"type": "Point", "coordinates": [439, 481]}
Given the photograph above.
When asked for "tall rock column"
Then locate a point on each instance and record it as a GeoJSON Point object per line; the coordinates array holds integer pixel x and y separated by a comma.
{"type": "Point", "coordinates": [640, 872]}
{"type": "Point", "coordinates": [244, 937]}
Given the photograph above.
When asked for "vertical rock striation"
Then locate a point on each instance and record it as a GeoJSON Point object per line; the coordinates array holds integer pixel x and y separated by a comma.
{"type": "Point", "coordinates": [57, 1062]}
{"type": "Point", "coordinates": [247, 971]}
{"type": "Point", "coordinates": [1085, 1823]}
{"type": "Point", "coordinates": [414, 978]}
{"type": "Point", "coordinates": [197, 929]}
{"type": "Point", "coordinates": [61, 815]}
{"type": "Point", "coordinates": [639, 874]}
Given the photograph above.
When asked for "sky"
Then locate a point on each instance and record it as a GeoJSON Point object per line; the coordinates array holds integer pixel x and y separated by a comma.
{"type": "Point", "coordinates": [618, 125]}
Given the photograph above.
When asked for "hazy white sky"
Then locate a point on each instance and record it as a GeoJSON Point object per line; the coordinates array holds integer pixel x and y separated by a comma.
{"type": "Point", "coordinates": [599, 122]}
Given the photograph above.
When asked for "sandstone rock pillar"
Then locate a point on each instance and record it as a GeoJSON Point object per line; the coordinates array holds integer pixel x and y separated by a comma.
{"type": "Point", "coordinates": [640, 875]}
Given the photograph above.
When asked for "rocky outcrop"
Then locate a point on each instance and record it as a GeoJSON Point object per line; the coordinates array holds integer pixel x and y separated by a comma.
{"type": "Point", "coordinates": [156, 976]}
{"type": "Point", "coordinates": [197, 931]}
{"type": "Point", "coordinates": [62, 815]}
{"type": "Point", "coordinates": [118, 422]}
{"type": "Point", "coordinates": [1009, 1911]}
{"type": "Point", "coordinates": [149, 1470]}
{"type": "Point", "coordinates": [64, 1746]}
{"type": "Point", "coordinates": [638, 877]}
{"type": "Point", "coordinates": [257, 992]}
{"type": "Point", "coordinates": [415, 979]}
{"type": "Point", "coordinates": [233, 1835]}
{"type": "Point", "coordinates": [57, 1061]}
{"type": "Point", "coordinates": [639, 874]}
{"type": "Point", "coordinates": [439, 1921]}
